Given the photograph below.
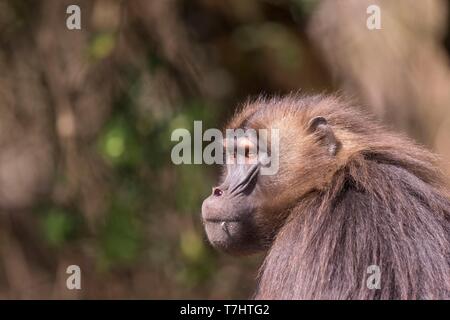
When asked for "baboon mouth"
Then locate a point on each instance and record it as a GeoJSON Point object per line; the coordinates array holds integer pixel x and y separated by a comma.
{"type": "Point", "coordinates": [221, 220]}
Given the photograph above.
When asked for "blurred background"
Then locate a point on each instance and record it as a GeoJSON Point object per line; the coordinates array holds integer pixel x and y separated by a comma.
{"type": "Point", "coordinates": [86, 117]}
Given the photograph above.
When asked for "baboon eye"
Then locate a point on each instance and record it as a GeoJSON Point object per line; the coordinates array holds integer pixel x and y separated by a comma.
{"type": "Point", "coordinates": [217, 192]}
{"type": "Point", "coordinates": [242, 145]}
{"type": "Point", "coordinates": [247, 145]}
{"type": "Point", "coordinates": [247, 152]}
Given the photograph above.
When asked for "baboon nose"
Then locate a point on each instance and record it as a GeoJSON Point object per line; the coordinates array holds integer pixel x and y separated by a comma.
{"type": "Point", "coordinates": [217, 192]}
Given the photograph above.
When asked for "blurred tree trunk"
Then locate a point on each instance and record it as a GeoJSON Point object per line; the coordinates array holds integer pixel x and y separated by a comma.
{"type": "Point", "coordinates": [400, 72]}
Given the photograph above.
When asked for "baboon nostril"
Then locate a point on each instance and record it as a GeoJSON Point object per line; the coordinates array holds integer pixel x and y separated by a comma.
{"type": "Point", "coordinates": [217, 192]}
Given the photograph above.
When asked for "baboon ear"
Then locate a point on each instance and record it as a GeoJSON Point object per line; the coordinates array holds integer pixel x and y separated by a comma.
{"type": "Point", "coordinates": [316, 122]}
{"type": "Point", "coordinates": [319, 125]}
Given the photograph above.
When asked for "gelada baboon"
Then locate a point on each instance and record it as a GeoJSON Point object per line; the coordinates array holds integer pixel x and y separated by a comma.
{"type": "Point", "coordinates": [349, 195]}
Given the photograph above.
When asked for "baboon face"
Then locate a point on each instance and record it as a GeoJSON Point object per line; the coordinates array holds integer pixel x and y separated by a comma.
{"type": "Point", "coordinates": [230, 213]}
{"type": "Point", "coordinates": [243, 213]}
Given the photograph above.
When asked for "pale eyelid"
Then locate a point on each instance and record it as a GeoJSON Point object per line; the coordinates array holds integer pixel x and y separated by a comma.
{"type": "Point", "coordinates": [243, 143]}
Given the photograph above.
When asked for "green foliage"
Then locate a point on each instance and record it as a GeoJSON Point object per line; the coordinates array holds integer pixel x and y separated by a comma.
{"type": "Point", "coordinates": [120, 237]}
{"type": "Point", "coordinates": [275, 37]}
{"type": "Point", "coordinates": [305, 7]}
{"type": "Point", "coordinates": [192, 246]}
{"type": "Point", "coordinates": [190, 189]}
{"type": "Point", "coordinates": [58, 226]}
{"type": "Point", "coordinates": [119, 144]}
{"type": "Point", "coordinates": [102, 45]}
{"type": "Point", "coordinates": [199, 264]}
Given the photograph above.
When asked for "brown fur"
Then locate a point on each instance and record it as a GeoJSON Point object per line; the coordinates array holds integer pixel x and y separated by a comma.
{"type": "Point", "coordinates": [380, 200]}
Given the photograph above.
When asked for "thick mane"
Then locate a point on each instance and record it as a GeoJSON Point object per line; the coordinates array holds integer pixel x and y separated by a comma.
{"type": "Point", "coordinates": [403, 228]}
{"type": "Point", "coordinates": [386, 206]}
